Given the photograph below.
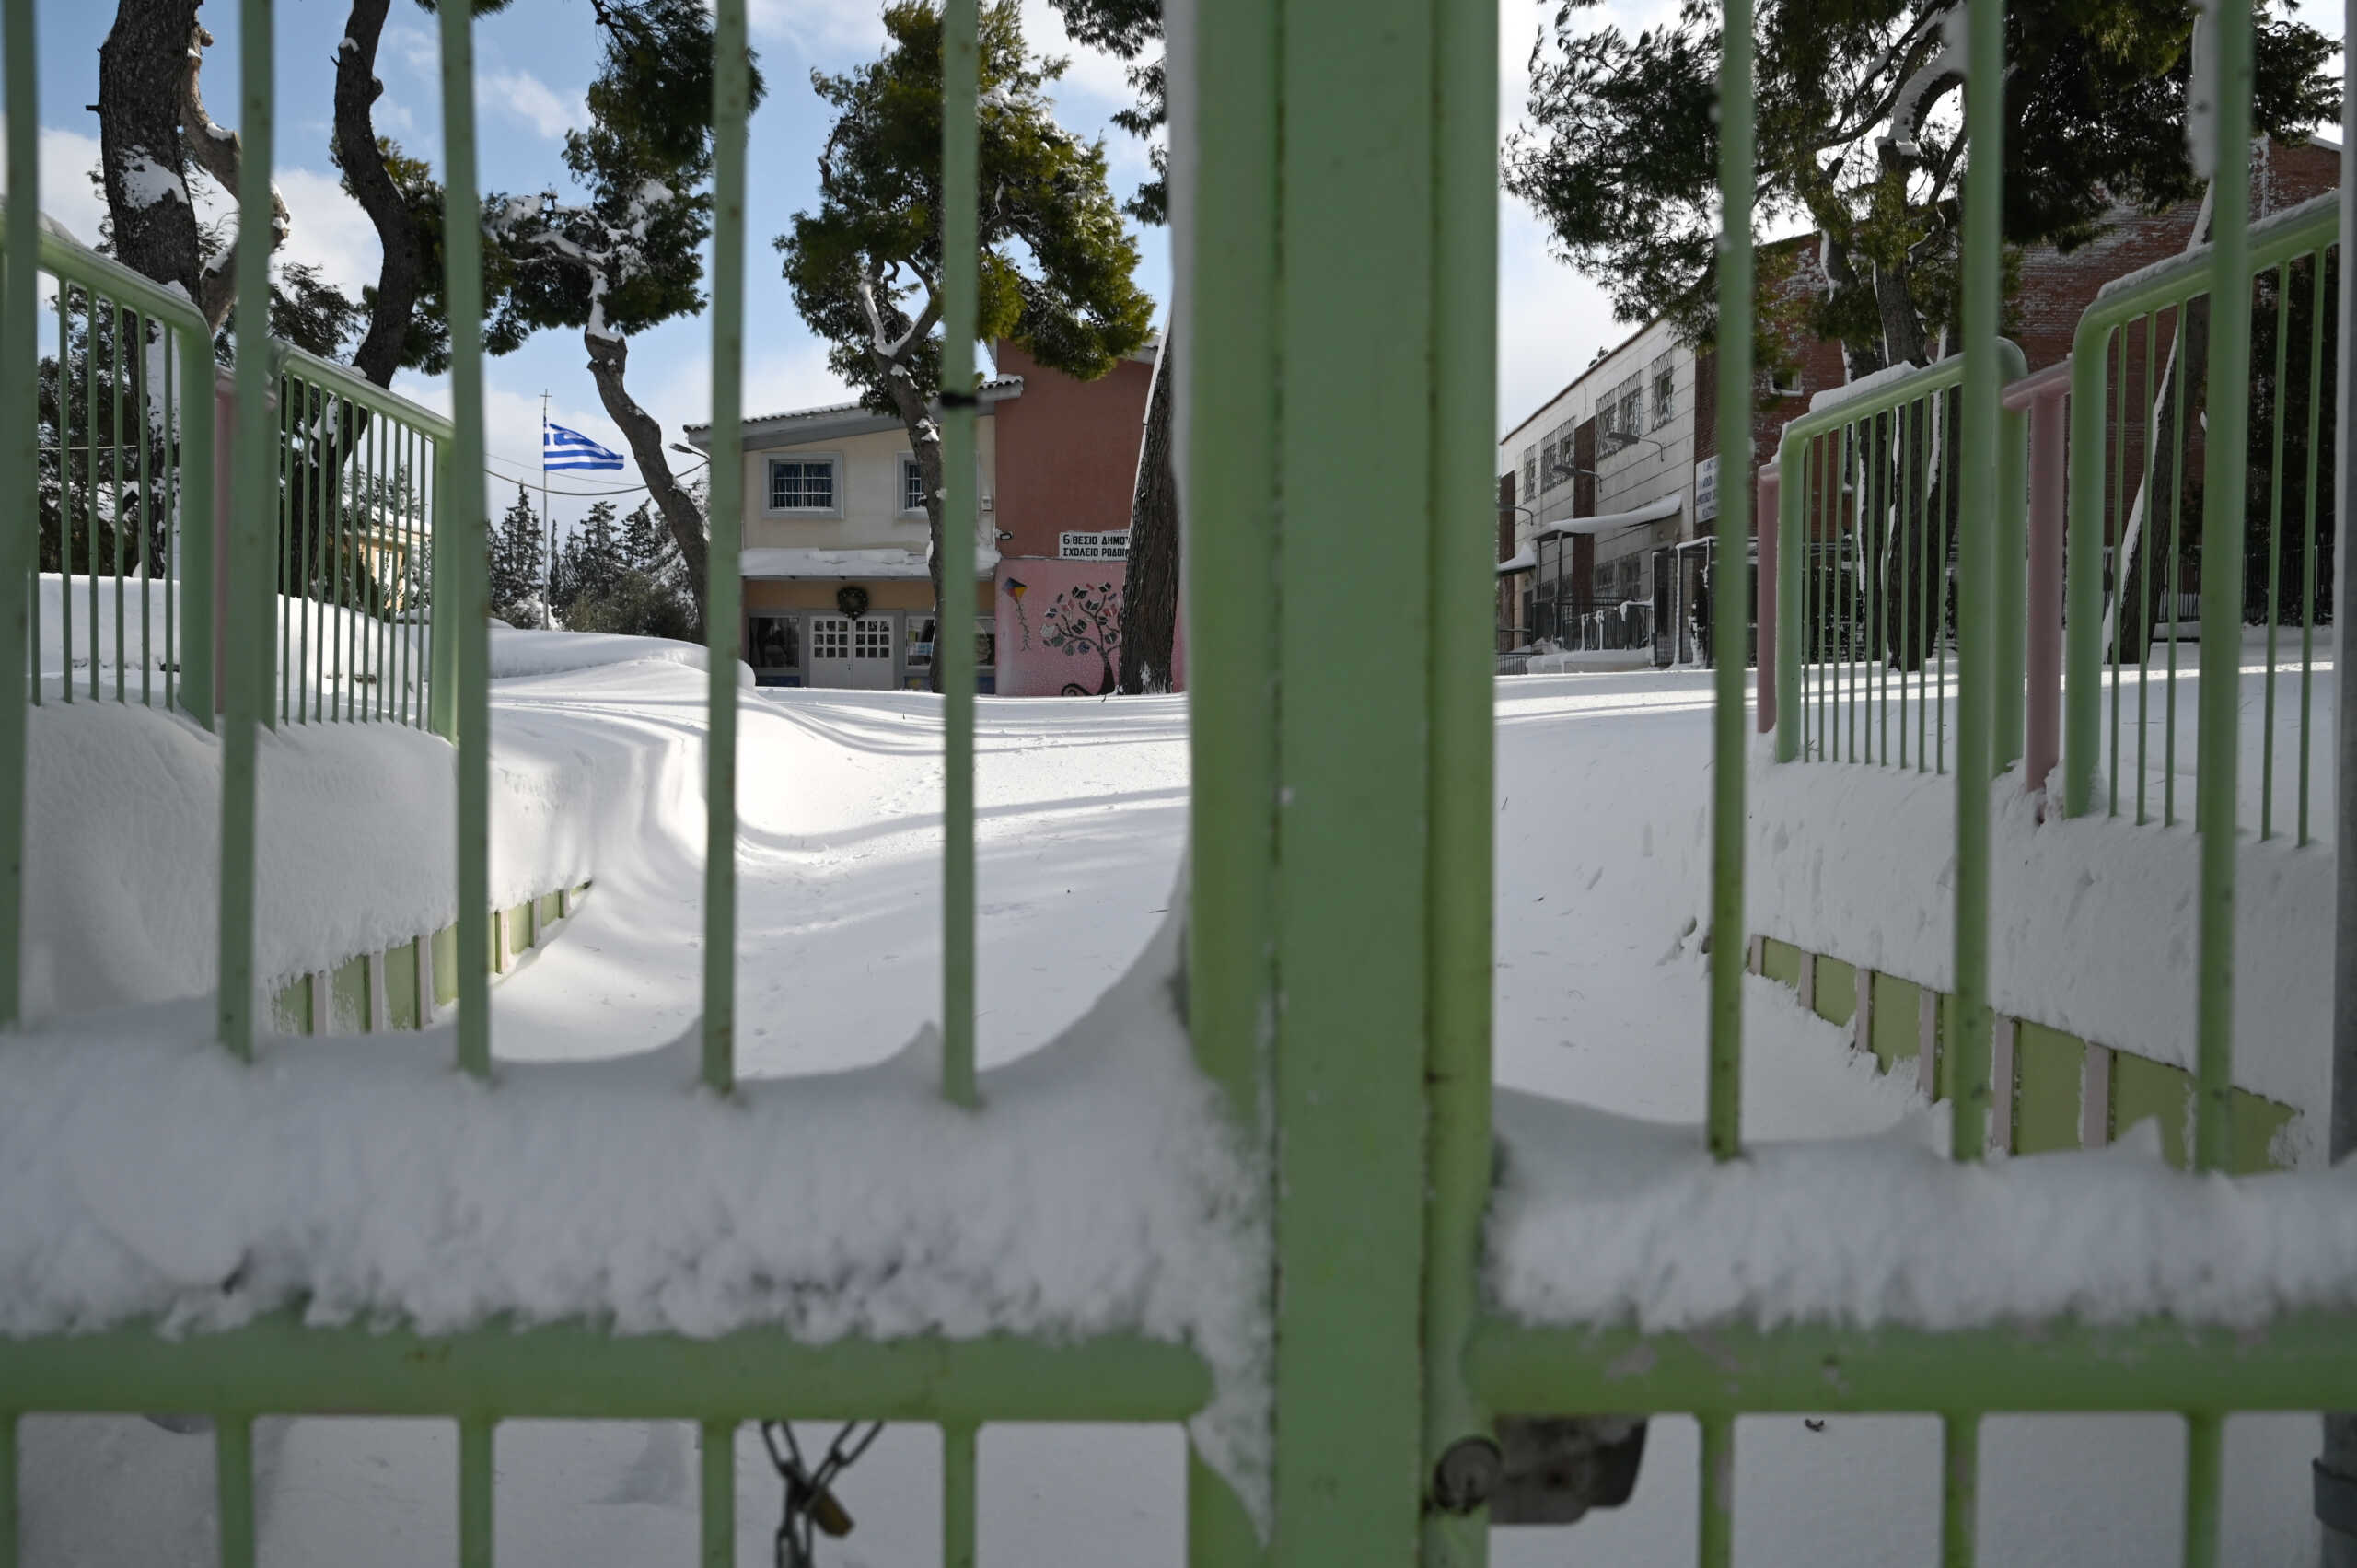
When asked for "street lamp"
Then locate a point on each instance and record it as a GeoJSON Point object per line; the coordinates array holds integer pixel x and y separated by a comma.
{"type": "Point", "coordinates": [683, 448]}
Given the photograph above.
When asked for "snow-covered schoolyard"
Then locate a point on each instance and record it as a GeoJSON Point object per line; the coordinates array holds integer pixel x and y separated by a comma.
{"type": "Point", "coordinates": [1602, 786]}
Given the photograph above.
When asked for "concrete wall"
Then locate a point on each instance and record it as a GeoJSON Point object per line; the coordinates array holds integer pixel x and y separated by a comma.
{"type": "Point", "coordinates": [868, 512]}
{"type": "Point", "coordinates": [1068, 452]}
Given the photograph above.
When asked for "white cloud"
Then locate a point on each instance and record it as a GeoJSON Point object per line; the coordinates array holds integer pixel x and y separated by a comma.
{"type": "Point", "coordinates": [328, 229]}
{"type": "Point", "coordinates": [67, 159]}
{"type": "Point", "coordinates": [820, 30]}
{"type": "Point", "coordinates": [523, 97]}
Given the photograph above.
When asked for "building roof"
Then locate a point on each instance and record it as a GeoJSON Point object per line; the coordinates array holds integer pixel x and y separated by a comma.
{"type": "Point", "coordinates": [834, 419]}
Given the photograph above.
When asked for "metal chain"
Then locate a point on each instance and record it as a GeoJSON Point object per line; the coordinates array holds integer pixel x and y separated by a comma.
{"type": "Point", "coordinates": [810, 1506]}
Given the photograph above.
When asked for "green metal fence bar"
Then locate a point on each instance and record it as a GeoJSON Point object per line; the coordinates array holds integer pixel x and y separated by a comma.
{"type": "Point", "coordinates": [114, 478]}
{"type": "Point", "coordinates": [2119, 574]}
{"type": "Point", "coordinates": [577, 1371]}
{"type": "Point", "coordinates": [2311, 537]}
{"type": "Point", "coordinates": [1959, 1476]}
{"type": "Point", "coordinates": [2204, 1460]}
{"type": "Point", "coordinates": [2274, 550]}
{"type": "Point", "coordinates": [2172, 584]}
{"type": "Point", "coordinates": [2224, 493]}
{"type": "Point", "coordinates": [1731, 591]}
{"type": "Point", "coordinates": [477, 1437]}
{"type": "Point", "coordinates": [953, 641]}
{"type": "Point", "coordinates": [244, 674]}
{"type": "Point", "coordinates": [957, 1467]}
{"type": "Point", "coordinates": [233, 1459]}
{"type": "Point", "coordinates": [2308, 230]}
{"type": "Point", "coordinates": [89, 475]}
{"type": "Point", "coordinates": [717, 1492]}
{"type": "Point", "coordinates": [294, 506]}
{"type": "Point", "coordinates": [1460, 853]}
{"type": "Point", "coordinates": [9, 1524]}
{"type": "Point", "coordinates": [19, 544]}
{"type": "Point", "coordinates": [65, 505]}
{"type": "Point", "coordinates": [725, 561]}
{"type": "Point", "coordinates": [1714, 1525]}
{"type": "Point", "coordinates": [461, 528]}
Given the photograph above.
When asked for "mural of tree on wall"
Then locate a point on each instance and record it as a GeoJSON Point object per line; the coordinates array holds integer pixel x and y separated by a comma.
{"type": "Point", "coordinates": [1084, 619]}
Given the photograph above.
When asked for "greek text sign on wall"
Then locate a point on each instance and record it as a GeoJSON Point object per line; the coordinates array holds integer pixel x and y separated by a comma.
{"type": "Point", "coordinates": [1706, 489]}
{"type": "Point", "coordinates": [1094, 545]}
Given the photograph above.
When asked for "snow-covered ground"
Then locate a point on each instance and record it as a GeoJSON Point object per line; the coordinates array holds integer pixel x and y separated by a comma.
{"type": "Point", "coordinates": [1602, 835]}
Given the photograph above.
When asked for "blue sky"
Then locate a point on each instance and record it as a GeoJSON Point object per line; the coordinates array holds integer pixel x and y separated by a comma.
{"type": "Point", "coordinates": [533, 62]}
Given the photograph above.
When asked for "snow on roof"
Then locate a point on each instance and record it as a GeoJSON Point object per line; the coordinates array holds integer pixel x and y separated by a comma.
{"type": "Point", "coordinates": [1522, 561]}
{"type": "Point", "coordinates": [994, 390]}
{"type": "Point", "coordinates": [1666, 506]}
{"type": "Point", "coordinates": [802, 562]}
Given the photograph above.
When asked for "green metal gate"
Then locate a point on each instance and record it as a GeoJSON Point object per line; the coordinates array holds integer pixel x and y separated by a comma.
{"type": "Point", "coordinates": [1338, 398]}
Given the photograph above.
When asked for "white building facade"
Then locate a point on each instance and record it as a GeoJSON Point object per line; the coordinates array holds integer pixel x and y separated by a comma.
{"type": "Point", "coordinates": [1604, 495]}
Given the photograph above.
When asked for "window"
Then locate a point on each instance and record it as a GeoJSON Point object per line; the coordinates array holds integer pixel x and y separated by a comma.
{"type": "Point", "coordinates": [802, 484]}
{"type": "Point", "coordinates": [911, 485]}
{"type": "Point", "coordinates": [776, 643]}
{"type": "Point", "coordinates": [1664, 379]}
{"type": "Point", "coordinates": [1531, 473]}
{"type": "Point", "coordinates": [1620, 416]}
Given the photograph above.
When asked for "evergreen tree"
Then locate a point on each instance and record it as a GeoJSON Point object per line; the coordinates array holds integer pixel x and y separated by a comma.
{"type": "Point", "coordinates": [1056, 268]}
{"type": "Point", "coordinates": [626, 257]}
{"type": "Point", "coordinates": [517, 557]}
{"type": "Point", "coordinates": [592, 562]}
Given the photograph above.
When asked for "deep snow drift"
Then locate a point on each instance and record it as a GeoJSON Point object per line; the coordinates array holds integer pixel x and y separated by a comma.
{"type": "Point", "coordinates": [1602, 832]}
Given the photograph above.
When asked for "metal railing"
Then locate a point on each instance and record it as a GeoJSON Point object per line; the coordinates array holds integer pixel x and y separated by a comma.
{"type": "Point", "coordinates": [1339, 999]}
{"type": "Point", "coordinates": [124, 402]}
{"type": "Point", "coordinates": [2135, 433]}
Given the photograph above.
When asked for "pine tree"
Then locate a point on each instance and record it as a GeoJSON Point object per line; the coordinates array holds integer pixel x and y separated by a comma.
{"type": "Point", "coordinates": [592, 562]}
{"type": "Point", "coordinates": [1057, 269]}
{"type": "Point", "coordinates": [625, 256]}
{"type": "Point", "coordinates": [517, 557]}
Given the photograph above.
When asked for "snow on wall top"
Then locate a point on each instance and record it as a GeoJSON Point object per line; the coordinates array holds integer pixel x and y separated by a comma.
{"type": "Point", "coordinates": [143, 1175]}
{"type": "Point", "coordinates": [1607, 1221]}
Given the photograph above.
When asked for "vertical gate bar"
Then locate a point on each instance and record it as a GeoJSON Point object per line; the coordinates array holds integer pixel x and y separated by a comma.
{"type": "Point", "coordinates": [1715, 1524]}
{"type": "Point", "coordinates": [244, 678]}
{"type": "Point", "coordinates": [1766, 508]}
{"type": "Point", "coordinates": [1353, 958]}
{"type": "Point", "coordinates": [146, 522]}
{"type": "Point", "coordinates": [2204, 1461]}
{"type": "Point", "coordinates": [1845, 539]}
{"type": "Point", "coordinates": [2274, 550]}
{"type": "Point", "coordinates": [716, 1496]}
{"type": "Point", "coordinates": [310, 678]}
{"type": "Point", "coordinates": [2042, 591]}
{"type": "Point", "coordinates": [2311, 538]}
{"type": "Point", "coordinates": [64, 489]}
{"type": "Point", "coordinates": [465, 533]}
{"type": "Point", "coordinates": [1224, 218]}
{"type": "Point", "coordinates": [2009, 592]}
{"type": "Point", "coordinates": [1920, 592]}
{"type": "Point", "coordinates": [233, 1479]}
{"type": "Point", "coordinates": [339, 544]}
{"type": "Point", "coordinates": [1728, 941]}
{"type": "Point", "coordinates": [9, 1519]}
{"type": "Point", "coordinates": [293, 405]}
{"type": "Point", "coordinates": [1460, 853]}
{"type": "Point", "coordinates": [20, 542]}
{"type": "Point", "coordinates": [2222, 600]}
{"type": "Point", "coordinates": [724, 561]}
{"type": "Point", "coordinates": [1878, 608]}
{"type": "Point", "coordinates": [90, 470]}
{"type": "Point", "coordinates": [169, 482]}
{"type": "Point", "coordinates": [1987, 430]}
{"type": "Point", "coordinates": [2170, 583]}
{"type": "Point", "coordinates": [476, 1476]}
{"type": "Point", "coordinates": [442, 631]}
{"type": "Point", "coordinates": [958, 1461]}
{"type": "Point", "coordinates": [1792, 718]}
{"type": "Point", "coordinates": [1907, 430]}
{"type": "Point", "coordinates": [383, 550]}
{"type": "Point", "coordinates": [2150, 420]}
{"type": "Point", "coordinates": [2120, 538]}
{"type": "Point", "coordinates": [115, 313]}
{"type": "Point", "coordinates": [1959, 1467]}
{"type": "Point", "coordinates": [953, 657]}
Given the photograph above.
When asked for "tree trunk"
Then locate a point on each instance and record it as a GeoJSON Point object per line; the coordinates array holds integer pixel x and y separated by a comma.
{"type": "Point", "coordinates": [924, 442]}
{"type": "Point", "coordinates": [362, 162]}
{"type": "Point", "coordinates": [609, 364]}
{"type": "Point", "coordinates": [141, 67]}
{"type": "Point", "coordinates": [1150, 599]}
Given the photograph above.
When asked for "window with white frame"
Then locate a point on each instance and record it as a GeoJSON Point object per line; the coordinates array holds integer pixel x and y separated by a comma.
{"type": "Point", "coordinates": [1665, 380]}
{"type": "Point", "coordinates": [802, 484]}
{"type": "Point", "coordinates": [911, 485]}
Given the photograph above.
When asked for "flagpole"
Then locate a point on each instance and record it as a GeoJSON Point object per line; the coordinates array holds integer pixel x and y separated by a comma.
{"type": "Point", "coordinates": [548, 592]}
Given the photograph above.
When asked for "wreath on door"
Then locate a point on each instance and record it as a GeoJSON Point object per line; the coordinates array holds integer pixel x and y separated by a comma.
{"type": "Point", "coordinates": [851, 599]}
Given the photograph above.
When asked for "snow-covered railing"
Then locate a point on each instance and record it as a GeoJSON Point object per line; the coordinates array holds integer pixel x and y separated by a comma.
{"type": "Point", "coordinates": [2141, 418]}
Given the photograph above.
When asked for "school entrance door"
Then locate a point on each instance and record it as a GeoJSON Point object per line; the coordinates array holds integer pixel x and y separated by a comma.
{"type": "Point", "coordinates": [845, 652]}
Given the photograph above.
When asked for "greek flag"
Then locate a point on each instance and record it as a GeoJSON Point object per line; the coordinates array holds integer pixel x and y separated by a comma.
{"type": "Point", "coordinates": [562, 449]}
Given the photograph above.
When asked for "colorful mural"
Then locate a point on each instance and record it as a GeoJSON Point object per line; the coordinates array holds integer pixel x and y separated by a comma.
{"type": "Point", "coordinates": [1058, 627]}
